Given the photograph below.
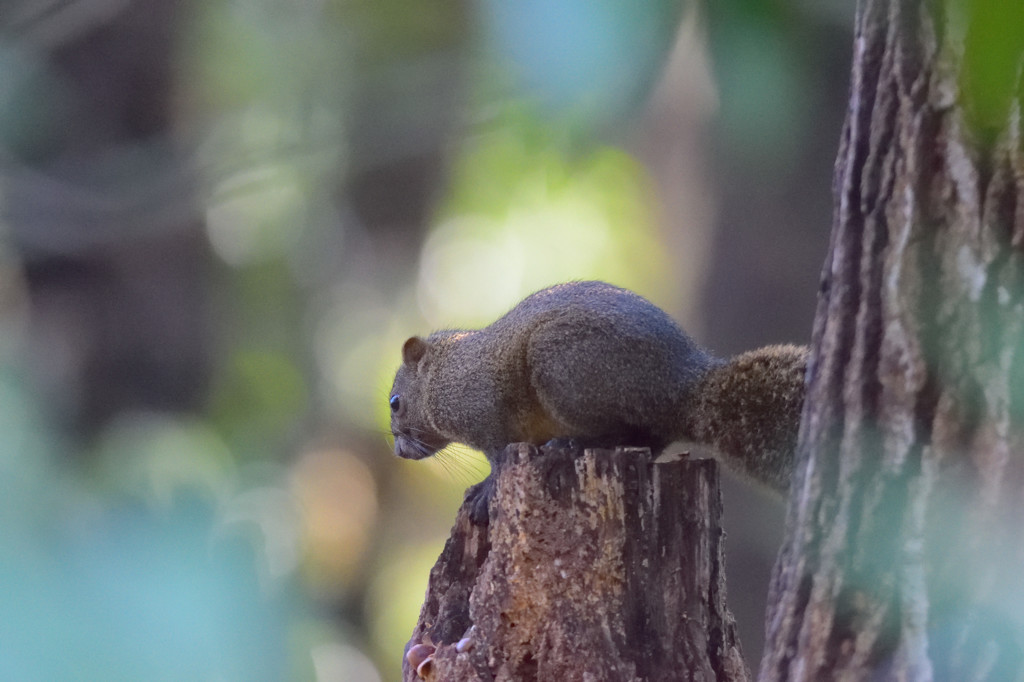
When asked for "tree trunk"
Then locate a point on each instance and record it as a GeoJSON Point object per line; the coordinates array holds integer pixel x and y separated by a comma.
{"type": "Point", "coordinates": [598, 565]}
{"type": "Point", "coordinates": [903, 558]}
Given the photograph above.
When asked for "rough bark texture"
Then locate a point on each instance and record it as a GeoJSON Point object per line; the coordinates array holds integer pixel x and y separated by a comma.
{"type": "Point", "coordinates": [903, 558]}
{"type": "Point", "coordinates": [595, 566]}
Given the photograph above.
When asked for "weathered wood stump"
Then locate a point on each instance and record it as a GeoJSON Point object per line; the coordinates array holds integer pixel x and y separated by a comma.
{"type": "Point", "coordinates": [595, 565]}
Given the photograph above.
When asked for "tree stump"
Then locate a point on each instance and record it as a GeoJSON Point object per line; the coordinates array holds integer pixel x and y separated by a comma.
{"type": "Point", "coordinates": [595, 565]}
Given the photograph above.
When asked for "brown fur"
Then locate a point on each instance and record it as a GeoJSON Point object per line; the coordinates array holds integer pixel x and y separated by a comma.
{"type": "Point", "coordinates": [604, 366]}
{"type": "Point", "coordinates": [748, 411]}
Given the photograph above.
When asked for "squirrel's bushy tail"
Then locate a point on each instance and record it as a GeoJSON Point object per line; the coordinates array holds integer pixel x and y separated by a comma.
{"type": "Point", "coordinates": [748, 409]}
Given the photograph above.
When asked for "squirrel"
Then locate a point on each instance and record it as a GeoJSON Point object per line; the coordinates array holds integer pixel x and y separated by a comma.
{"type": "Point", "coordinates": [602, 366]}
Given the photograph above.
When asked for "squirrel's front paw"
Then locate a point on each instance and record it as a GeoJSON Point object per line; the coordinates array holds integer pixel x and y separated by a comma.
{"type": "Point", "coordinates": [478, 499]}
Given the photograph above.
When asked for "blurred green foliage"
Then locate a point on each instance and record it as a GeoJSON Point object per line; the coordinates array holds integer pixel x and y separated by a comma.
{"type": "Point", "coordinates": [590, 63]}
{"type": "Point", "coordinates": [123, 581]}
{"type": "Point", "coordinates": [193, 546]}
{"type": "Point", "coordinates": [991, 77]}
{"type": "Point", "coordinates": [268, 534]}
{"type": "Point", "coordinates": [522, 214]}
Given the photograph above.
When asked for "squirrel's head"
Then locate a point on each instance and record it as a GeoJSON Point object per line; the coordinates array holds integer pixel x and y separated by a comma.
{"type": "Point", "coordinates": [415, 435]}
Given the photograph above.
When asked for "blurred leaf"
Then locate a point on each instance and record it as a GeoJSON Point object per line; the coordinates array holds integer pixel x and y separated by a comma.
{"type": "Point", "coordinates": [135, 597]}
{"type": "Point", "coordinates": [154, 459]}
{"type": "Point", "coordinates": [592, 62]}
{"type": "Point", "coordinates": [400, 30]}
{"type": "Point", "coordinates": [260, 400]}
{"type": "Point", "coordinates": [760, 78]}
{"type": "Point", "coordinates": [520, 206]}
{"type": "Point", "coordinates": [993, 61]}
{"type": "Point", "coordinates": [34, 104]}
{"type": "Point", "coordinates": [29, 479]}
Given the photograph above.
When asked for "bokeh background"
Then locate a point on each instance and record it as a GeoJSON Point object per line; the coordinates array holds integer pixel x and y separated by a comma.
{"type": "Point", "coordinates": [220, 219]}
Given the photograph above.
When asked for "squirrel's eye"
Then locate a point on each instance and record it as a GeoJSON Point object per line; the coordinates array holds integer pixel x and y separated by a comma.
{"type": "Point", "coordinates": [395, 402]}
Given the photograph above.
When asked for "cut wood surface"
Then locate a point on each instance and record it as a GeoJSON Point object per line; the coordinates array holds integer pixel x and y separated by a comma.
{"type": "Point", "coordinates": [595, 565]}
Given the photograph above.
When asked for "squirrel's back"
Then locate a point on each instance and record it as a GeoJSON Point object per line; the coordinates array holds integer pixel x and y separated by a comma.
{"type": "Point", "coordinates": [601, 364]}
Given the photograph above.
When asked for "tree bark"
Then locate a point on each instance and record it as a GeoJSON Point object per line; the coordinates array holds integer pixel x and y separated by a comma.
{"type": "Point", "coordinates": [596, 565]}
{"type": "Point", "coordinates": [903, 558]}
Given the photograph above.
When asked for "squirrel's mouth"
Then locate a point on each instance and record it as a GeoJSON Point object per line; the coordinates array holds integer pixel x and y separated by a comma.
{"type": "Point", "coordinates": [408, 447]}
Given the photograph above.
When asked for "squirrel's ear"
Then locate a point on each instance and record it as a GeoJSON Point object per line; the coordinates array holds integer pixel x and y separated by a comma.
{"type": "Point", "coordinates": [413, 350]}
